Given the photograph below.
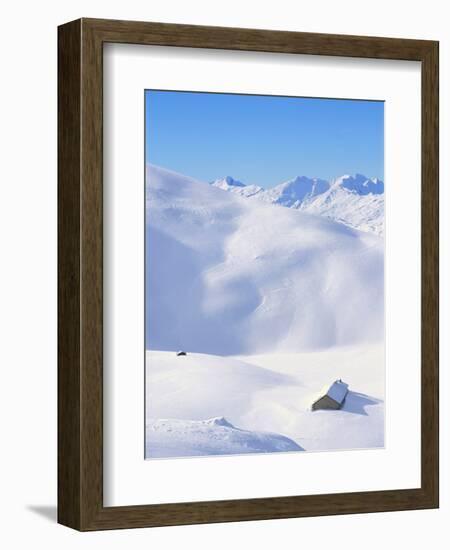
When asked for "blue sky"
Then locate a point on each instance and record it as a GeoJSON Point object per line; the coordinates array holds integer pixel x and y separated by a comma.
{"type": "Point", "coordinates": [263, 139]}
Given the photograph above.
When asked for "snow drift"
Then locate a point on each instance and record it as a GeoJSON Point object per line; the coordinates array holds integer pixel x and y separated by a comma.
{"type": "Point", "coordinates": [228, 275]}
{"type": "Point", "coordinates": [215, 436]}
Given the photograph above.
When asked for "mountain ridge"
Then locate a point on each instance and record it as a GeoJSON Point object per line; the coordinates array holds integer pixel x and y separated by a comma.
{"type": "Point", "coordinates": [354, 200]}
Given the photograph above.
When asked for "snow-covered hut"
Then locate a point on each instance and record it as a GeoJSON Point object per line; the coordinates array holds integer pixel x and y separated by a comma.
{"type": "Point", "coordinates": [331, 396]}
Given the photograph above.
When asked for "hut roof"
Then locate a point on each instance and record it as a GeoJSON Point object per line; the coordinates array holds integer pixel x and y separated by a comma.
{"type": "Point", "coordinates": [337, 391]}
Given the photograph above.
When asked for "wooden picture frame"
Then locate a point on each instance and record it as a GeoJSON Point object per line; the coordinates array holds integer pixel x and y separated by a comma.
{"type": "Point", "coordinates": [80, 272]}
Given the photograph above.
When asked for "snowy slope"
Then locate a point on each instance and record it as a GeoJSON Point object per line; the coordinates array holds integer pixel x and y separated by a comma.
{"type": "Point", "coordinates": [356, 201]}
{"type": "Point", "coordinates": [228, 405]}
{"type": "Point", "coordinates": [192, 398]}
{"type": "Point", "coordinates": [360, 422]}
{"type": "Point", "coordinates": [232, 276]}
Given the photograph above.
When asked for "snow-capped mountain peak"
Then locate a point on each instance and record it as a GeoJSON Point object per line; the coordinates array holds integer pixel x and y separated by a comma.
{"type": "Point", "coordinates": [293, 192]}
{"type": "Point", "coordinates": [235, 186]}
{"type": "Point", "coordinates": [360, 184]}
{"type": "Point", "coordinates": [227, 181]}
{"type": "Point", "coordinates": [355, 200]}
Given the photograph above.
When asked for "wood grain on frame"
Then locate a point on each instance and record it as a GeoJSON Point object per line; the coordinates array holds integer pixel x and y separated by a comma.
{"type": "Point", "coordinates": [80, 264]}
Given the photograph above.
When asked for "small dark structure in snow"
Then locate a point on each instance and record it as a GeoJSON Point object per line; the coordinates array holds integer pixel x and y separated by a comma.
{"type": "Point", "coordinates": [331, 397]}
{"type": "Point", "coordinates": [179, 353]}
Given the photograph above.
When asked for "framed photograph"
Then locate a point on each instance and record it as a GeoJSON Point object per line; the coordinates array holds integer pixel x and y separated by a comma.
{"type": "Point", "coordinates": [248, 274]}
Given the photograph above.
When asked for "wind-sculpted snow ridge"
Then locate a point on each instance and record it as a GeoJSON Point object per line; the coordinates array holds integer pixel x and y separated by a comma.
{"type": "Point", "coordinates": [181, 438]}
{"type": "Point", "coordinates": [229, 275]}
{"type": "Point", "coordinates": [356, 201]}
